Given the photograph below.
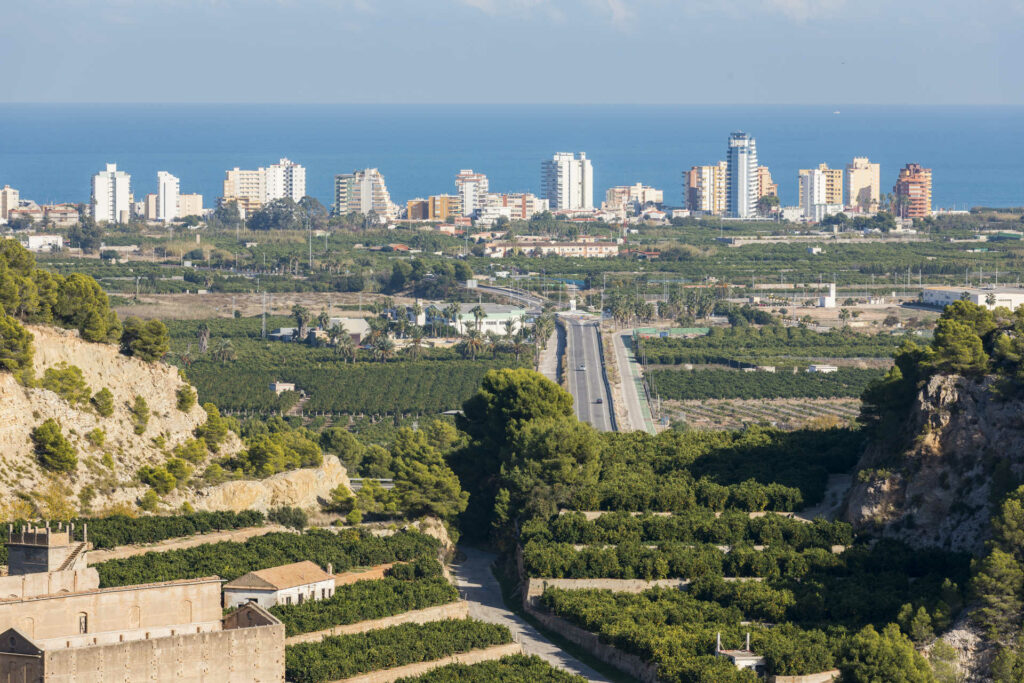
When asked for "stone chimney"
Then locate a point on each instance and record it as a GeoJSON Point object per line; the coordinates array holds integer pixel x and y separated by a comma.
{"type": "Point", "coordinates": [330, 568]}
{"type": "Point", "coordinates": [718, 643]}
{"type": "Point", "coordinates": [747, 648]}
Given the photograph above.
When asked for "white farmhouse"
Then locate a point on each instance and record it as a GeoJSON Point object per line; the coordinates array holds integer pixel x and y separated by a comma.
{"type": "Point", "coordinates": [289, 584]}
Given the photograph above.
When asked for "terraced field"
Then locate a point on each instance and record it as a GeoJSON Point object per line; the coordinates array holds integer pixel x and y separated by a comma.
{"type": "Point", "coordinates": [785, 413]}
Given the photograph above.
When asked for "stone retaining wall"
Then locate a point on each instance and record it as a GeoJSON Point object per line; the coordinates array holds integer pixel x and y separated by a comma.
{"type": "Point", "coordinates": [453, 610]}
{"type": "Point", "coordinates": [823, 677]}
{"type": "Point", "coordinates": [535, 587]}
{"type": "Point", "coordinates": [471, 657]}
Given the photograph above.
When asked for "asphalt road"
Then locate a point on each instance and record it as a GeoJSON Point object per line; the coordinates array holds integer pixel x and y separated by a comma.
{"type": "Point", "coordinates": [587, 385]}
{"type": "Point", "coordinates": [478, 586]}
{"type": "Point", "coordinates": [525, 299]}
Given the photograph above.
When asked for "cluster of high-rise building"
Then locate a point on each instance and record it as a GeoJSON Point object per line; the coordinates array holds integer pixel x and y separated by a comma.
{"type": "Point", "coordinates": [112, 200]}
{"type": "Point", "coordinates": [252, 189]}
{"type": "Point", "coordinates": [734, 187]}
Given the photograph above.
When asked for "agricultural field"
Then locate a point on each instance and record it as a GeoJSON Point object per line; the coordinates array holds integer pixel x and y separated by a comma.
{"type": "Point", "coordinates": [783, 413]}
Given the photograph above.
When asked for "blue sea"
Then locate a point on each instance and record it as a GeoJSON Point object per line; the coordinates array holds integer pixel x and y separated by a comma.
{"type": "Point", "coordinates": [49, 152]}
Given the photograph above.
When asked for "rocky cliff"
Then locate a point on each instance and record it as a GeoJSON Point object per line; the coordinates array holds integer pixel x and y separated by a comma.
{"type": "Point", "coordinates": [105, 475]}
{"type": "Point", "coordinates": [960, 451]}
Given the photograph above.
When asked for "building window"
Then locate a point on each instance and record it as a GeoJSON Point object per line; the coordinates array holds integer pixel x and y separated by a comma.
{"type": "Point", "coordinates": [288, 600]}
{"type": "Point", "coordinates": [83, 622]}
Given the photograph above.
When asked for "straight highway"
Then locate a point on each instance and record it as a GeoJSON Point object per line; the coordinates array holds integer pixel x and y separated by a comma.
{"type": "Point", "coordinates": [585, 372]}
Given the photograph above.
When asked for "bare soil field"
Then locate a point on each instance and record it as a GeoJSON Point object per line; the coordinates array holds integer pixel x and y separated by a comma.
{"type": "Point", "coordinates": [216, 305]}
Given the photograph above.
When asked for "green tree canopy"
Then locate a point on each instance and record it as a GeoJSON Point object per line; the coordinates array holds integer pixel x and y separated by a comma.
{"type": "Point", "coordinates": [52, 449]}
{"type": "Point", "coordinates": [148, 341]}
{"type": "Point", "coordinates": [889, 656]}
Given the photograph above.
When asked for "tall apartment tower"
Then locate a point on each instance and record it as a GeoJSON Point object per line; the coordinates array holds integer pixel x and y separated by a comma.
{"type": "Point", "coordinates": [111, 195]}
{"type": "Point", "coordinates": [472, 188]}
{"type": "Point", "coordinates": [833, 182]}
{"type": "Point", "coordinates": [9, 198]}
{"type": "Point", "coordinates": [362, 192]}
{"type": "Point", "coordinates": [167, 193]}
{"type": "Point", "coordinates": [705, 188]}
{"type": "Point", "coordinates": [248, 189]}
{"type": "Point", "coordinates": [863, 185]}
{"type": "Point", "coordinates": [813, 184]}
{"type": "Point", "coordinates": [913, 191]}
{"type": "Point", "coordinates": [285, 179]}
{"type": "Point", "coordinates": [568, 181]}
{"type": "Point", "coordinates": [741, 176]}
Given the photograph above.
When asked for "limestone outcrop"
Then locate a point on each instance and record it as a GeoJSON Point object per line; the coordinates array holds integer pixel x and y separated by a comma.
{"type": "Point", "coordinates": [962, 441]}
{"type": "Point", "coordinates": [302, 488]}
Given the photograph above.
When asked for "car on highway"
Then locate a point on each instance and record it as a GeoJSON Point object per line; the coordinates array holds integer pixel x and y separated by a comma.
{"type": "Point", "coordinates": [599, 400]}
{"type": "Point", "coordinates": [581, 366]}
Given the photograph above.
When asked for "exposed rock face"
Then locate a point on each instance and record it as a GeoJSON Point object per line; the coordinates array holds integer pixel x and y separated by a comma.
{"type": "Point", "coordinates": [22, 409]}
{"type": "Point", "coordinates": [298, 488]}
{"type": "Point", "coordinates": [938, 492]}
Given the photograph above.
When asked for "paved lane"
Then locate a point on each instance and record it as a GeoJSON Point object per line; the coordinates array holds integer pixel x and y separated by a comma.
{"type": "Point", "coordinates": [587, 385]}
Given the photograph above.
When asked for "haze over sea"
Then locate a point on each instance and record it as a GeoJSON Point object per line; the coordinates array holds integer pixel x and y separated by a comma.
{"type": "Point", "coordinates": [50, 152]}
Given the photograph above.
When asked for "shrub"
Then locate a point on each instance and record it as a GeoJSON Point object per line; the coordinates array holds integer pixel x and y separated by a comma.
{"type": "Point", "coordinates": [67, 382]}
{"type": "Point", "coordinates": [103, 402]}
{"type": "Point", "coordinates": [15, 346]}
{"type": "Point", "coordinates": [296, 518]}
{"type": "Point", "coordinates": [149, 501]}
{"type": "Point", "coordinates": [158, 478]}
{"type": "Point", "coordinates": [139, 414]}
{"type": "Point", "coordinates": [96, 437]}
{"type": "Point", "coordinates": [186, 398]}
{"type": "Point", "coordinates": [52, 449]}
{"type": "Point", "coordinates": [193, 450]}
{"type": "Point", "coordinates": [148, 341]}
{"type": "Point", "coordinates": [179, 469]}
{"type": "Point", "coordinates": [214, 430]}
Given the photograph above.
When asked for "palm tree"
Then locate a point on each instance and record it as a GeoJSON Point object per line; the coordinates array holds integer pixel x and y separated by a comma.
{"type": "Point", "coordinates": [433, 312]}
{"type": "Point", "coordinates": [186, 356]}
{"type": "Point", "coordinates": [224, 350]}
{"type": "Point", "coordinates": [323, 320]}
{"type": "Point", "coordinates": [478, 315]}
{"type": "Point", "coordinates": [452, 312]}
{"type": "Point", "coordinates": [416, 345]}
{"type": "Point", "coordinates": [519, 348]}
{"type": "Point", "coordinates": [383, 348]}
{"type": "Point", "coordinates": [417, 311]}
{"type": "Point", "coordinates": [346, 348]}
{"type": "Point", "coordinates": [844, 315]}
{"type": "Point", "coordinates": [474, 344]}
{"type": "Point", "coordinates": [510, 326]}
{"type": "Point", "coordinates": [336, 332]}
{"type": "Point", "coordinates": [301, 315]}
{"type": "Point", "coordinates": [204, 337]}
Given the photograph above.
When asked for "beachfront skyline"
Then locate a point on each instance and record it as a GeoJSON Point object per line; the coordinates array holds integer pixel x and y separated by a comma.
{"type": "Point", "coordinates": [490, 51]}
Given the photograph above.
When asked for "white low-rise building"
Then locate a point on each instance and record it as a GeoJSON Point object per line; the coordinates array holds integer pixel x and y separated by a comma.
{"type": "Point", "coordinates": [289, 584]}
{"type": "Point", "coordinates": [43, 242]}
{"type": "Point", "coordinates": [989, 297]}
{"type": "Point", "coordinates": [822, 369]}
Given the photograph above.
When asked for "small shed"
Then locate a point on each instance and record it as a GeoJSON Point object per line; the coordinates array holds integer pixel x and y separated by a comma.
{"type": "Point", "coordinates": [281, 387]}
{"type": "Point", "coordinates": [289, 584]}
{"type": "Point", "coordinates": [743, 659]}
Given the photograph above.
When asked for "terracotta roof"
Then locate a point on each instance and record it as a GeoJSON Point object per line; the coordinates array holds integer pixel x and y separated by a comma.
{"type": "Point", "coordinates": [285, 576]}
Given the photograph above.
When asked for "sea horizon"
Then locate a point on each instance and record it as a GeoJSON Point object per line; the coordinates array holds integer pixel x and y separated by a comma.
{"type": "Point", "coordinates": [53, 149]}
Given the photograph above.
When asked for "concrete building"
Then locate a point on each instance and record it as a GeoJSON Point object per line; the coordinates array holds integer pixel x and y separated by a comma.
{"type": "Point", "coordinates": [913, 192]}
{"type": "Point", "coordinates": [190, 205]}
{"type": "Point", "coordinates": [111, 195]}
{"type": "Point", "coordinates": [247, 188]}
{"type": "Point", "coordinates": [494, 319]}
{"type": "Point", "coordinates": [357, 328]}
{"type": "Point", "coordinates": [568, 181]}
{"type": "Point", "coordinates": [741, 176]}
{"type": "Point", "coordinates": [863, 185]}
{"type": "Point", "coordinates": [285, 179]}
{"type": "Point", "coordinates": [148, 207]}
{"type": "Point", "coordinates": [42, 243]}
{"type": "Point", "coordinates": [743, 659]}
{"type": "Point", "coordinates": [765, 186]}
{"type": "Point", "coordinates": [520, 205]}
{"type": "Point", "coordinates": [989, 297]}
{"type": "Point", "coordinates": [823, 369]}
{"type": "Point", "coordinates": [814, 194]}
{"type": "Point", "coordinates": [362, 192]}
{"type": "Point", "coordinates": [833, 183]}
{"type": "Point", "coordinates": [577, 249]}
{"type": "Point", "coordinates": [168, 191]}
{"type": "Point", "coordinates": [417, 209]}
{"type": "Point", "coordinates": [58, 626]}
{"type": "Point", "coordinates": [441, 207]}
{"type": "Point", "coordinates": [472, 189]}
{"type": "Point", "coordinates": [705, 189]}
{"type": "Point", "coordinates": [632, 197]}
{"type": "Point", "coordinates": [9, 198]}
{"type": "Point", "coordinates": [290, 584]}
{"type": "Point", "coordinates": [60, 215]}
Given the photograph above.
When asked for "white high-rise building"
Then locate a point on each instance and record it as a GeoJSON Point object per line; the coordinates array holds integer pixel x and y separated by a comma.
{"type": "Point", "coordinates": [568, 181]}
{"type": "Point", "coordinates": [362, 192]}
{"type": "Point", "coordinates": [285, 179]}
{"type": "Point", "coordinates": [472, 188]}
{"type": "Point", "coordinates": [741, 176]}
{"type": "Point", "coordinates": [168, 189]}
{"type": "Point", "coordinates": [814, 195]}
{"type": "Point", "coordinates": [111, 195]}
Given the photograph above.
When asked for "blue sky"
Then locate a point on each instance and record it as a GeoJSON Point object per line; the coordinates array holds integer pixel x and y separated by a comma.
{"type": "Point", "coordinates": [493, 51]}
